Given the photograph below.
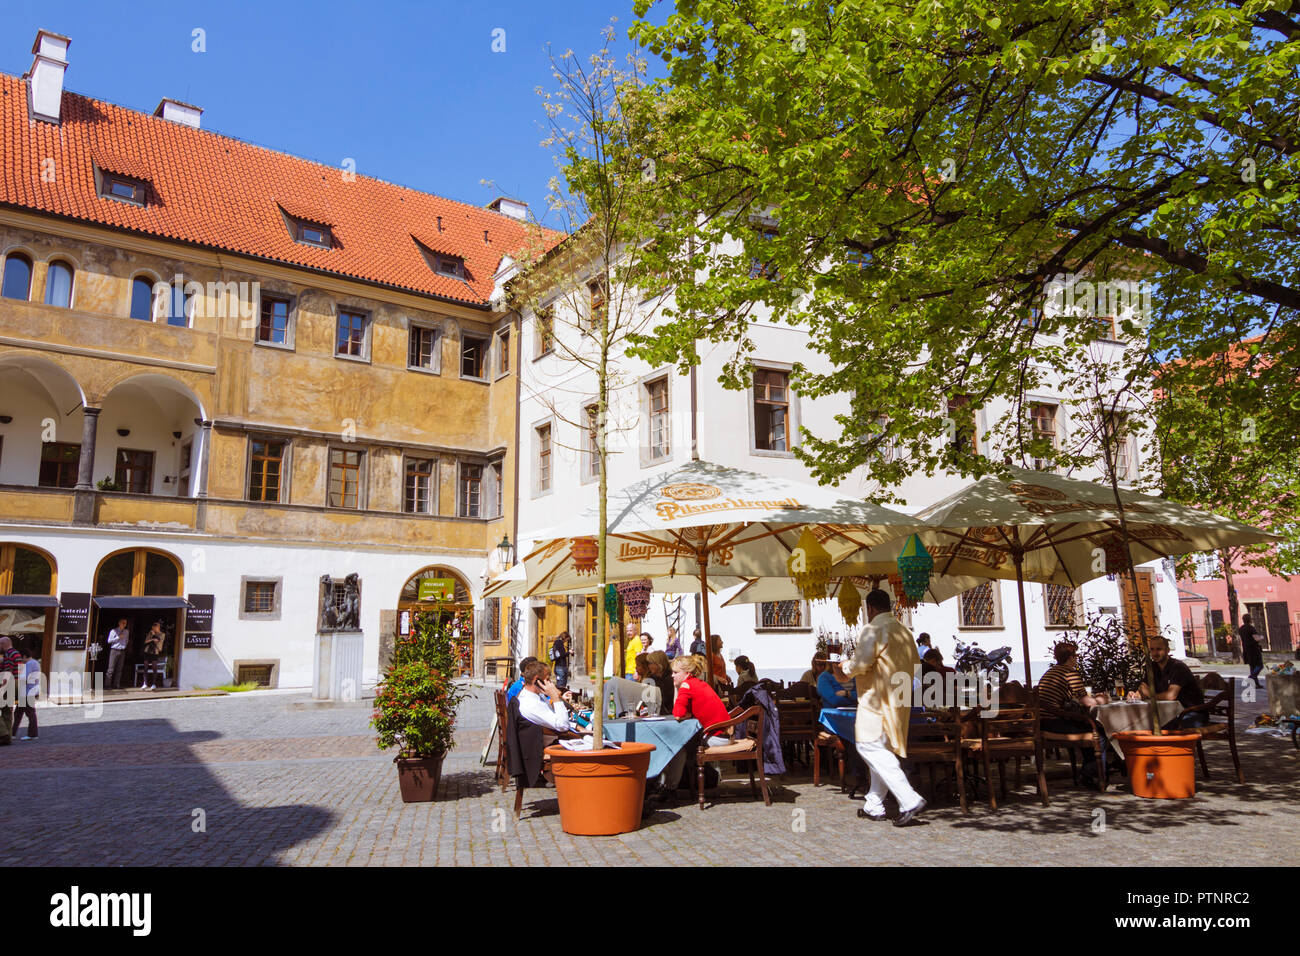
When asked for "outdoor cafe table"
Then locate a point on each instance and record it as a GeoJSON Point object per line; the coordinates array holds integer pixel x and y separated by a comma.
{"type": "Point", "coordinates": [1132, 715]}
{"type": "Point", "coordinates": [667, 734]}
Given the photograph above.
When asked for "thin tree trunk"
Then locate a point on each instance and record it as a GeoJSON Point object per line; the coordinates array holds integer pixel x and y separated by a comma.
{"type": "Point", "coordinates": [1226, 557]}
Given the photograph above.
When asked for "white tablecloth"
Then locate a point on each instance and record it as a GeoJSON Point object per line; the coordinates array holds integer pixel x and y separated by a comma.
{"type": "Point", "coordinates": [1132, 716]}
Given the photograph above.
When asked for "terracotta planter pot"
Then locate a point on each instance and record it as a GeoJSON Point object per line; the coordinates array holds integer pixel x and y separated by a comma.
{"type": "Point", "coordinates": [601, 792]}
{"type": "Point", "coordinates": [1162, 767]}
{"type": "Point", "coordinates": [418, 777]}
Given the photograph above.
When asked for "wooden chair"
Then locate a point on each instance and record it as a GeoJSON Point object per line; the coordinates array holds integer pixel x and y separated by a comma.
{"type": "Point", "coordinates": [798, 727]}
{"type": "Point", "coordinates": [832, 744]}
{"type": "Point", "coordinates": [796, 691]}
{"type": "Point", "coordinates": [1223, 704]}
{"type": "Point", "coordinates": [939, 742]}
{"type": "Point", "coordinates": [502, 768]}
{"type": "Point", "coordinates": [1079, 740]}
{"type": "Point", "coordinates": [1014, 732]}
{"type": "Point", "coordinates": [749, 750]}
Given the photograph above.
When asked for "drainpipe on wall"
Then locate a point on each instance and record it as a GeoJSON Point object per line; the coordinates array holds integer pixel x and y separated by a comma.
{"type": "Point", "coordinates": [519, 379]}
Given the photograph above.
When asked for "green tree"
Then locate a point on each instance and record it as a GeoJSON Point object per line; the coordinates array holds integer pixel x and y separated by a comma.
{"type": "Point", "coordinates": [586, 288]}
{"type": "Point", "coordinates": [907, 179]}
{"type": "Point", "coordinates": [1224, 448]}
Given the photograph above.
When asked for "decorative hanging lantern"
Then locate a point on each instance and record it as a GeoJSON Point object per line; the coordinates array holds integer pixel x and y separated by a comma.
{"type": "Point", "coordinates": [850, 602]}
{"type": "Point", "coordinates": [810, 566]}
{"type": "Point", "coordinates": [915, 565]}
{"type": "Point", "coordinates": [901, 598]}
{"type": "Point", "coordinates": [636, 597]}
{"type": "Point", "coordinates": [611, 603]}
{"type": "Point", "coordinates": [584, 552]}
{"type": "Point", "coordinates": [1116, 554]}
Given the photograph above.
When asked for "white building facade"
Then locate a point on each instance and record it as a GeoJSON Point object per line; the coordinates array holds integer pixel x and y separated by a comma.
{"type": "Point", "coordinates": [659, 419]}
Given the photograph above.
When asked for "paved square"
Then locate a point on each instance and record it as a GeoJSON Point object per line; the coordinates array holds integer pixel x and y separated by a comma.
{"type": "Point", "coordinates": [274, 779]}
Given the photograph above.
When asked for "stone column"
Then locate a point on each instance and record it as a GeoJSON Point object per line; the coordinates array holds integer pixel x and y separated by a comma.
{"type": "Point", "coordinates": [201, 486]}
{"type": "Point", "coordinates": [83, 496]}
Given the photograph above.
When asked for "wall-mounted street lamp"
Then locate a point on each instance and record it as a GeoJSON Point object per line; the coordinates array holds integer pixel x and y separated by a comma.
{"type": "Point", "coordinates": [505, 552]}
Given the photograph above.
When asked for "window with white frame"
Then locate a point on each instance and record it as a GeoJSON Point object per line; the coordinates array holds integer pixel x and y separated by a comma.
{"type": "Point", "coordinates": [979, 606]}
{"type": "Point", "coordinates": [771, 409]}
{"type": "Point", "coordinates": [1063, 605]}
{"type": "Point", "coordinates": [1121, 446]}
{"type": "Point", "coordinates": [543, 460]}
{"type": "Point", "coordinates": [1043, 421]}
{"type": "Point", "coordinates": [471, 491]}
{"type": "Point", "coordinates": [543, 333]}
{"type": "Point", "coordinates": [503, 351]}
{"type": "Point", "coordinates": [590, 446]}
{"type": "Point", "coordinates": [424, 348]}
{"type": "Point", "coordinates": [782, 615]}
{"type": "Point", "coordinates": [1208, 567]}
{"type": "Point", "coordinates": [659, 424]}
{"type": "Point", "coordinates": [418, 496]}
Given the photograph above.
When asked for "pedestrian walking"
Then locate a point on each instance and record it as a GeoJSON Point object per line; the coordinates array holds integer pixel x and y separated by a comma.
{"type": "Point", "coordinates": [119, 640]}
{"type": "Point", "coordinates": [1252, 655]}
{"type": "Point", "coordinates": [31, 677]}
{"type": "Point", "coordinates": [560, 658]}
{"type": "Point", "coordinates": [10, 668]}
{"type": "Point", "coordinates": [885, 659]}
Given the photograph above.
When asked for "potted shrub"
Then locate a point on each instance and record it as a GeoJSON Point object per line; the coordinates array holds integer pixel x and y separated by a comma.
{"type": "Point", "coordinates": [1110, 656]}
{"type": "Point", "coordinates": [416, 701]}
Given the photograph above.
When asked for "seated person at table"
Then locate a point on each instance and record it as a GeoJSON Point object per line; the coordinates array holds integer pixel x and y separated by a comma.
{"type": "Point", "coordinates": [1175, 681]}
{"type": "Point", "coordinates": [694, 697]}
{"type": "Point", "coordinates": [836, 688]}
{"type": "Point", "coordinates": [641, 669]}
{"type": "Point", "coordinates": [720, 678]}
{"type": "Point", "coordinates": [661, 672]}
{"type": "Point", "coordinates": [935, 690]}
{"type": "Point", "coordinates": [551, 715]}
{"type": "Point", "coordinates": [517, 685]}
{"type": "Point", "coordinates": [1061, 688]}
{"type": "Point", "coordinates": [746, 676]}
{"type": "Point", "coordinates": [819, 664]}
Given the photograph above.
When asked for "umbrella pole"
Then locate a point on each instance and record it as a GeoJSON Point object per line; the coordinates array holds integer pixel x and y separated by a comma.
{"type": "Point", "coordinates": [707, 635]}
{"type": "Point", "coordinates": [1019, 558]}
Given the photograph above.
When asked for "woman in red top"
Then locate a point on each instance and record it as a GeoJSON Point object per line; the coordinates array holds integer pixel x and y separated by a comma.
{"type": "Point", "coordinates": [694, 697]}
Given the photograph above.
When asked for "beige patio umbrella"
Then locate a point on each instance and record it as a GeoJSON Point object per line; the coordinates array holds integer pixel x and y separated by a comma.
{"type": "Point", "coordinates": [766, 590]}
{"type": "Point", "coordinates": [1040, 526]}
{"type": "Point", "coordinates": [705, 520]}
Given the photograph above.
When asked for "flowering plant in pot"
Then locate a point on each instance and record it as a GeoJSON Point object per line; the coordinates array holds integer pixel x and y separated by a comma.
{"type": "Point", "coordinates": [416, 702]}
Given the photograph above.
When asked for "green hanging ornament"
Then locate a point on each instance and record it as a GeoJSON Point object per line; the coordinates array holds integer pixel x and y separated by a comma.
{"type": "Point", "coordinates": [915, 565]}
{"type": "Point", "coordinates": [611, 603]}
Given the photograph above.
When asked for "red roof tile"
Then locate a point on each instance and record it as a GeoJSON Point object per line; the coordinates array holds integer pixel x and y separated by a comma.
{"type": "Point", "coordinates": [221, 193]}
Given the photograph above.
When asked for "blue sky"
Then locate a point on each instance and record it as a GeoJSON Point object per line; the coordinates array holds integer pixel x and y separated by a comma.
{"type": "Point", "coordinates": [411, 90]}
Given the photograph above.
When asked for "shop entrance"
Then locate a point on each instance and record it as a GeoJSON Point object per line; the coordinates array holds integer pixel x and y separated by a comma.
{"type": "Point", "coordinates": [143, 588]}
{"type": "Point", "coordinates": [28, 604]}
{"type": "Point", "coordinates": [442, 591]}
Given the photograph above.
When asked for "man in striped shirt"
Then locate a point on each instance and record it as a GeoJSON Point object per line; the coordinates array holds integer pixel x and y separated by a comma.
{"type": "Point", "coordinates": [1060, 685]}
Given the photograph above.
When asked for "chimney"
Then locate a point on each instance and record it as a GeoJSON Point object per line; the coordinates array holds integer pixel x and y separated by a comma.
{"type": "Point", "coordinates": [513, 208]}
{"type": "Point", "coordinates": [45, 79]}
{"type": "Point", "coordinates": [178, 112]}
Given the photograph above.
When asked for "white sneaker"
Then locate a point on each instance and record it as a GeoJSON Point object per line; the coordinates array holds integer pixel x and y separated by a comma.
{"type": "Point", "coordinates": [30, 738]}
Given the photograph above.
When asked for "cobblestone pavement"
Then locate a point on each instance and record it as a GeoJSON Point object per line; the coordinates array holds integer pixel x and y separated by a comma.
{"type": "Point", "coordinates": [276, 780]}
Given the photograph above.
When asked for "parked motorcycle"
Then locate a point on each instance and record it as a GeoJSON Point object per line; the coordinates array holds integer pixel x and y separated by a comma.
{"type": "Point", "coordinates": [994, 665]}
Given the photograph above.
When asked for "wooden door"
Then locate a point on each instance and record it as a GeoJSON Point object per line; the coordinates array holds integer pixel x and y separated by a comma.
{"type": "Point", "coordinates": [555, 619]}
{"type": "Point", "coordinates": [1145, 604]}
{"type": "Point", "coordinates": [1276, 616]}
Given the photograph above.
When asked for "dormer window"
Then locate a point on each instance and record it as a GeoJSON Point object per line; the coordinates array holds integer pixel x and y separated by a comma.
{"type": "Point", "coordinates": [312, 234]}
{"type": "Point", "coordinates": [124, 189]}
{"type": "Point", "coordinates": [446, 265]}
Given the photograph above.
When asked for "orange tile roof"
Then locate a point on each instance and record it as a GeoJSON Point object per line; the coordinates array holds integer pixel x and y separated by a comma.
{"type": "Point", "coordinates": [221, 193]}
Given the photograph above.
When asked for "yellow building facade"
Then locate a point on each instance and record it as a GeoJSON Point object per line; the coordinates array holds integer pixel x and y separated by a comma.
{"type": "Point", "coordinates": [211, 416]}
